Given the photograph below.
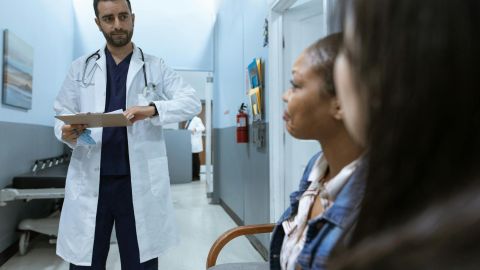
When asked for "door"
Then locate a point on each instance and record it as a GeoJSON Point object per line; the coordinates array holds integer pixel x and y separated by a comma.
{"type": "Point", "coordinates": [203, 153]}
{"type": "Point", "coordinates": [294, 26]}
{"type": "Point", "coordinates": [303, 25]}
{"type": "Point", "coordinates": [202, 82]}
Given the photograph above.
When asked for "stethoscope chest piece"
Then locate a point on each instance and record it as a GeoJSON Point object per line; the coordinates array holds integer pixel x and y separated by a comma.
{"type": "Point", "coordinates": [150, 92]}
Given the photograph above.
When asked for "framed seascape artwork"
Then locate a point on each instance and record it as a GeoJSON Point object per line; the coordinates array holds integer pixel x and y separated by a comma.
{"type": "Point", "coordinates": [17, 72]}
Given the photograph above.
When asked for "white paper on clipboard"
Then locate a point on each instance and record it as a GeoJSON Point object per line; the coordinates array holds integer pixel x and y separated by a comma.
{"type": "Point", "coordinates": [112, 119]}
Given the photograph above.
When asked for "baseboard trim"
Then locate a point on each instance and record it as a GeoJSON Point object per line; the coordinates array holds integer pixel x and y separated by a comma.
{"type": "Point", "coordinates": [231, 213]}
{"type": "Point", "coordinates": [8, 253]}
{"type": "Point", "coordinates": [251, 238]}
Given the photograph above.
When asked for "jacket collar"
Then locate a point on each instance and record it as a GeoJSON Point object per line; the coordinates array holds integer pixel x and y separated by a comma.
{"type": "Point", "coordinates": [102, 60]}
{"type": "Point", "coordinates": [295, 196]}
{"type": "Point", "coordinates": [345, 208]}
{"type": "Point", "coordinates": [136, 63]}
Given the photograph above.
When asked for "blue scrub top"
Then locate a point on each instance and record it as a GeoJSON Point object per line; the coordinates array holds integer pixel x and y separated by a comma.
{"type": "Point", "coordinates": [114, 159]}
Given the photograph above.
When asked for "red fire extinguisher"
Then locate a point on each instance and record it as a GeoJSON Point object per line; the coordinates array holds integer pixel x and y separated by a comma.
{"type": "Point", "coordinates": [242, 125]}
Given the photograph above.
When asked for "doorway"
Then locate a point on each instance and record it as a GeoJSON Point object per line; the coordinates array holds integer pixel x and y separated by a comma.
{"type": "Point", "coordinates": [294, 25]}
{"type": "Point", "coordinates": [202, 82]}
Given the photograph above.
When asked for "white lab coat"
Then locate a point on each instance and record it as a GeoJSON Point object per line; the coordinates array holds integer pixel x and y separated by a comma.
{"type": "Point", "coordinates": [154, 217]}
{"type": "Point", "coordinates": [197, 144]}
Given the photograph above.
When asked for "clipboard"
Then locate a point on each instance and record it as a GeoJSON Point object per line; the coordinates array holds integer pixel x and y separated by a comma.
{"type": "Point", "coordinates": [96, 119]}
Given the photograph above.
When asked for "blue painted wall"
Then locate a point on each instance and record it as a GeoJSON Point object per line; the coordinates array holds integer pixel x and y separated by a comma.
{"type": "Point", "coordinates": [48, 27]}
{"type": "Point", "coordinates": [241, 174]}
{"type": "Point", "coordinates": [239, 38]}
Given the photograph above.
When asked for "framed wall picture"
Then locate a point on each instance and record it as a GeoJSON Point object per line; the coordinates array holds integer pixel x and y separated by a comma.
{"type": "Point", "coordinates": [17, 71]}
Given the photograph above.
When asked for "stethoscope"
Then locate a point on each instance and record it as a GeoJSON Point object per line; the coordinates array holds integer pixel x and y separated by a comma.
{"type": "Point", "coordinates": [149, 87]}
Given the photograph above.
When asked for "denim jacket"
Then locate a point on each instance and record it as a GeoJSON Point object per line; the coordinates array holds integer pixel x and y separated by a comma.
{"type": "Point", "coordinates": [333, 224]}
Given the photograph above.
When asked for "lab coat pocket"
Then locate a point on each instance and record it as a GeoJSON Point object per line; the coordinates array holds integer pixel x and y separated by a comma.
{"type": "Point", "coordinates": [158, 174]}
{"type": "Point", "coordinates": [75, 175]}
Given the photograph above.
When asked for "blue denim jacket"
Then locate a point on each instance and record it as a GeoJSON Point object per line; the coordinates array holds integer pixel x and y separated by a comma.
{"type": "Point", "coordinates": [333, 224]}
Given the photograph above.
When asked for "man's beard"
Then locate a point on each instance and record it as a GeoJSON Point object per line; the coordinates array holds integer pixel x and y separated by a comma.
{"type": "Point", "coordinates": [118, 42]}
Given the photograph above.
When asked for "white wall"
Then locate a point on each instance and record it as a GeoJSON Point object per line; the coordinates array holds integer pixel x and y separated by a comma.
{"type": "Point", "coordinates": [48, 27]}
{"type": "Point", "coordinates": [197, 79]}
{"type": "Point", "coordinates": [180, 31]}
{"type": "Point", "coordinates": [299, 3]}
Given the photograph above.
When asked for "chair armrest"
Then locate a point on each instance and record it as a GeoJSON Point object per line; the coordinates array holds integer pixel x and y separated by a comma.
{"type": "Point", "coordinates": [232, 234]}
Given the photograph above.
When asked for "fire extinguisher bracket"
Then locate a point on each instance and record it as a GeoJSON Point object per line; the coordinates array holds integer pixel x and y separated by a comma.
{"type": "Point", "coordinates": [259, 133]}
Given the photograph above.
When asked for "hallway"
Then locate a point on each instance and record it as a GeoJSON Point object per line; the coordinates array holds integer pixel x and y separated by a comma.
{"type": "Point", "coordinates": [199, 224]}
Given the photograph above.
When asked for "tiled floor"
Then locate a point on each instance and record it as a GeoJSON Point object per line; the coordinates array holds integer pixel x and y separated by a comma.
{"type": "Point", "coordinates": [199, 225]}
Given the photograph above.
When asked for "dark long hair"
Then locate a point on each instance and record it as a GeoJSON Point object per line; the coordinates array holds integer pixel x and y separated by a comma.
{"type": "Point", "coordinates": [444, 237]}
{"type": "Point", "coordinates": [417, 66]}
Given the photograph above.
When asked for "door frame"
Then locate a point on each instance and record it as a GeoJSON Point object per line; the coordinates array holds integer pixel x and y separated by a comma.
{"type": "Point", "coordinates": [209, 134]}
{"type": "Point", "coordinates": [278, 8]}
{"type": "Point", "coordinates": [276, 132]}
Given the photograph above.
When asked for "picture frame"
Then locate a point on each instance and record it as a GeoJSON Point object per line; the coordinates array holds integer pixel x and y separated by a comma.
{"type": "Point", "coordinates": [17, 74]}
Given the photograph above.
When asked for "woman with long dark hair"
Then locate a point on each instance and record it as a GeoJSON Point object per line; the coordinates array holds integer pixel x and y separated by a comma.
{"type": "Point", "coordinates": [408, 82]}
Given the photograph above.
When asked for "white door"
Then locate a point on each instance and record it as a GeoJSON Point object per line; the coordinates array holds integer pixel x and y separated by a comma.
{"type": "Point", "coordinates": [202, 82]}
{"type": "Point", "coordinates": [208, 132]}
{"type": "Point", "coordinates": [302, 23]}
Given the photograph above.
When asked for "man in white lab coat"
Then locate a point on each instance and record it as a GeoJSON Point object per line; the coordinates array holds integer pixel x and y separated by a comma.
{"type": "Point", "coordinates": [119, 175]}
{"type": "Point", "coordinates": [196, 127]}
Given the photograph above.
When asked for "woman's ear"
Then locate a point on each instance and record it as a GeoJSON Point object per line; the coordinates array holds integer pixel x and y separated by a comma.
{"type": "Point", "coordinates": [336, 109]}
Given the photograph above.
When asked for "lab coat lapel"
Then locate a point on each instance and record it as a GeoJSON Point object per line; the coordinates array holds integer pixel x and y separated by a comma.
{"type": "Point", "coordinates": [101, 82]}
{"type": "Point", "coordinates": [136, 64]}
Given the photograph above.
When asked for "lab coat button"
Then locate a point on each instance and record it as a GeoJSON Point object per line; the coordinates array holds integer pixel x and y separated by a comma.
{"type": "Point", "coordinates": [97, 169]}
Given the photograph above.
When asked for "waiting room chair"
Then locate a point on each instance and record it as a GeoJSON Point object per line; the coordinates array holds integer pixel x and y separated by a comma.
{"type": "Point", "coordinates": [230, 235]}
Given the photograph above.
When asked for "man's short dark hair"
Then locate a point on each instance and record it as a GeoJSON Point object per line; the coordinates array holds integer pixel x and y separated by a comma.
{"type": "Point", "coordinates": [95, 5]}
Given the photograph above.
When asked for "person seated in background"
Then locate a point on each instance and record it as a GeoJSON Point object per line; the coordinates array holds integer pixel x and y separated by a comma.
{"type": "Point", "coordinates": [406, 81]}
{"type": "Point", "coordinates": [326, 204]}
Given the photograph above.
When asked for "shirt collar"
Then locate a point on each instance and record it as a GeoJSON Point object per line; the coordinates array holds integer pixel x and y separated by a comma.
{"type": "Point", "coordinates": [319, 169]}
{"type": "Point", "coordinates": [333, 187]}
{"type": "Point", "coordinates": [346, 206]}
